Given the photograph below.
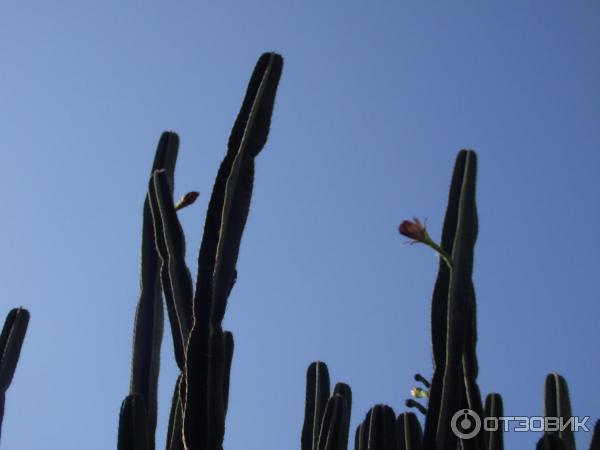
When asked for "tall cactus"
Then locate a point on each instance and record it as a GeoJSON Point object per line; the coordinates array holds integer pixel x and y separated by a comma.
{"type": "Point", "coordinates": [11, 342]}
{"type": "Point", "coordinates": [557, 404]}
{"type": "Point", "coordinates": [410, 434]}
{"type": "Point", "coordinates": [205, 371]}
{"type": "Point", "coordinates": [595, 443]}
{"type": "Point", "coordinates": [493, 440]}
{"type": "Point", "coordinates": [203, 350]}
{"type": "Point", "coordinates": [453, 326]}
{"type": "Point", "coordinates": [148, 326]}
{"type": "Point", "coordinates": [454, 336]}
{"type": "Point", "coordinates": [326, 418]}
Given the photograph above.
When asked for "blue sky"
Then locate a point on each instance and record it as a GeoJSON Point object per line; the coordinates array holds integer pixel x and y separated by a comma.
{"type": "Point", "coordinates": [374, 103]}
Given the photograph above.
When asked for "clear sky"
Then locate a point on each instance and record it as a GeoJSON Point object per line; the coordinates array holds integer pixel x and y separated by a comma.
{"type": "Point", "coordinates": [374, 103]}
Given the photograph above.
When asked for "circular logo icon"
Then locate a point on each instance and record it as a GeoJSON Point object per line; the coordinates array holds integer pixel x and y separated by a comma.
{"type": "Point", "coordinates": [465, 424]}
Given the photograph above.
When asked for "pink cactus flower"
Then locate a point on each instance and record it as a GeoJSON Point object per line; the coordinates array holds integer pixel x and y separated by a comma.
{"type": "Point", "coordinates": [414, 230]}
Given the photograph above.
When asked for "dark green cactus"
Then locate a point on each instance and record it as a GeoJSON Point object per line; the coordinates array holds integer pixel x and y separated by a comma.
{"type": "Point", "coordinates": [148, 326]}
{"type": "Point", "coordinates": [595, 443]}
{"type": "Point", "coordinates": [493, 440]}
{"type": "Point", "coordinates": [133, 424]}
{"type": "Point", "coordinates": [175, 430]}
{"type": "Point", "coordinates": [175, 276]}
{"type": "Point", "coordinates": [558, 404]}
{"type": "Point", "coordinates": [378, 431]}
{"type": "Point", "coordinates": [439, 306]}
{"type": "Point", "coordinates": [333, 423]}
{"type": "Point", "coordinates": [460, 293]}
{"type": "Point", "coordinates": [454, 338]}
{"type": "Point", "coordinates": [204, 402]}
{"type": "Point", "coordinates": [550, 442]}
{"type": "Point", "coordinates": [421, 379]}
{"type": "Point", "coordinates": [11, 342]}
{"type": "Point", "coordinates": [203, 350]}
{"type": "Point", "coordinates": [453, 314]}
{"type": "Point", "coordinates": [343, 390]}
{"type": "Point", "coordinates": [414, 404]}
{"type": "Point", "coordinates": [360, 437]}
{"type": "Point", "coordinates": [410, 434]}
{"type": "Point", "coordinates": [317, 394]}
{"type": "Point", "coordinates": [326, 419]}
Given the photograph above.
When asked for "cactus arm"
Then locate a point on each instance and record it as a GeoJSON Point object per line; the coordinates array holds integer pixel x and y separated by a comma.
{"type": "Point", "coordinates": [165, 157]}
{"type": "Point", "coordinates": [558, 404]}
{"type": "Point", "coordinates": [344, 391]}
{"type": "Point", "coordinates": [229, 345]}
{"type": "Point", "coordinates": [550, 442]}
{"type": "Point", "coordinates": [357, 436]}
{"type": "Point", "coordinates": [382, 428]}
{"type": "Point", "coordinates": [421, 379]}
{"type": "Point", "coordinates": [439, 305]}
{"type": "Point", "coordinates": [375, 436]}
{"type": "Point", "coordinates": [176, 279]}
{"type": "Point", "coordinates": [469, 396]}
{"type": "Point", "coordinates": [247, 139]}
{"type": "Point", "coordinates": [216, 401]}
{"type": "Point", "coordinates": [174, 435]}
{"type": "Point", "coordinates": [253, 139]}
{"type": "Point", "coordinates": [146, 359]}
{"type": "Point", "coordinates": [410, 435]}
{"type": "Point", "coordinates": [493, 440]}
{"type": "Point", "coordinates": [390, 435]}
{"type": "Point", "coordinates": [330, 435]}
{"type": "Point", "coordinates": [317, 393]}
{"type": "Point", "coordinates": [133, 426]}
{"type": "Point", "coordinates": [440, 291]}
{"type": "Point", "coordinates": [460, 280]}
{"type": "Point", "coordinates": [363, 431]}
{"type": "Point", "coordinates": [595, 442]}
{"type": "Point", "coordinates": [148, 322]}
{"type": "Point", "coordinates": [225, 221]}
{"type": "Point", "coordinates": [11, 343]}
{"type": "Point", "coordinates": [411, 403]}
{"type": "Point", "coordinates": [470, 367]}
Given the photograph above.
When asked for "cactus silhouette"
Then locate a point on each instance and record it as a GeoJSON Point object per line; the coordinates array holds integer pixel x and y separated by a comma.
{"type": "Point", "coordinates": [326, 418]}
{"type": "Point", "coordinates": [203, 350]}
{"type": "Point", "coordinates": [453, 386]}
{"type": "Point", "coordinates": [11, 341]}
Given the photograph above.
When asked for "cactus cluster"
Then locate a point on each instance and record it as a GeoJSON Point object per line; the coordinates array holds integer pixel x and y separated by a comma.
{"type": "Point", "coordinates": [454, 336]}
{"type": "Point", "coordinates": [203, 350]}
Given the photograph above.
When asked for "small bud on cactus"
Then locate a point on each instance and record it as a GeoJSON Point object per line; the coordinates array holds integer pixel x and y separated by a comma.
{"type": "Point", "coordinates": [186, 200]}
{"type": "Point", "coordinates": [416, 231]}
{"type": "Point", "coordinates": [417, 392]}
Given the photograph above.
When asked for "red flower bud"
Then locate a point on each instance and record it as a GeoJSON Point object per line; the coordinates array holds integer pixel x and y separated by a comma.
{"type": "Point", "coordinates": [414, 230]}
